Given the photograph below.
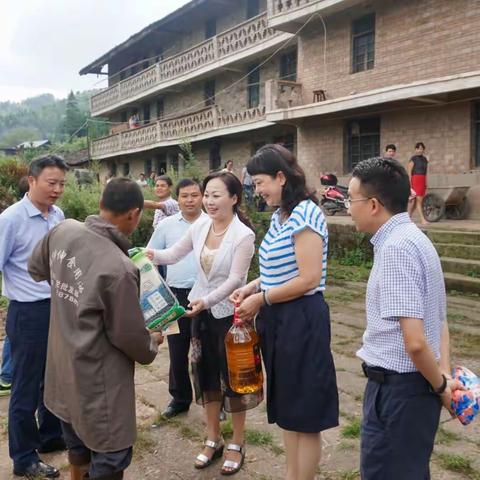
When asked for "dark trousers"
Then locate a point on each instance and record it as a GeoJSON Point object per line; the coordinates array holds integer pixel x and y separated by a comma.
{"type": "Point", "coordinates": [179, 384]}
{"type": "Point", "coordinates": [101, 463]}
{"type": "Point", "coordinates": [27, 330]}
{"type": "Point", "coordinates": [400, 420]}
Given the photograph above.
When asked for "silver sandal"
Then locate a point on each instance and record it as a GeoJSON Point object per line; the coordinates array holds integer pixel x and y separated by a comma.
{"type": "Point", "coordinates": [233, 467]}
{"type": "Point", "coordinates": [205, 461]}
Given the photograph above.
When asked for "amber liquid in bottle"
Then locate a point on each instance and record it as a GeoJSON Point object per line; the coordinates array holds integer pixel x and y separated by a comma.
{"type": "Point", "coordinates": [243, 358]}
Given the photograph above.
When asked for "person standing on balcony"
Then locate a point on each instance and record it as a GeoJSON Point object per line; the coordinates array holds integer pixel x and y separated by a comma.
{"type": "Point", "coordinates": [97, 332]}
{"type": "Point", "coordinates": [293, 319]}
{"type": "Point", "coordinates": [223, 246]}
{"type": "Point", "coordinates": [180, 278]}
{"type": "Point", "coordinates": [417, 171]}
{"type": "Point", "coordinates": [22, 226]}
{"type": "Point", "coordinates": [406, 342]}
{"type": "Point", "coordinates": [166, 205]}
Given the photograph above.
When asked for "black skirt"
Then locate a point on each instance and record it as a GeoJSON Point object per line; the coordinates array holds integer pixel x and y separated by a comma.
{"type": "Point", "coordinates": [302, 391]}
{"type": "Point", "coordinates": [209, 365]}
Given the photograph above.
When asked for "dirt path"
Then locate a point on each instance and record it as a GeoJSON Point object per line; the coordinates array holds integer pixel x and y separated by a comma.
{"type": "Point", "coordinates": [168, 451]}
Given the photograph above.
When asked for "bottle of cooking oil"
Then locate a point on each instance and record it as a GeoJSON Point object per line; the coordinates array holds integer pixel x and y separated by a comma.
{"type": "Point", "coordinates": [243, 358]}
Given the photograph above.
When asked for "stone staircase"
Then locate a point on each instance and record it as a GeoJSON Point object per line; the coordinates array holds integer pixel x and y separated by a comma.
{"type": "Point", "coordinates": [460, 255]}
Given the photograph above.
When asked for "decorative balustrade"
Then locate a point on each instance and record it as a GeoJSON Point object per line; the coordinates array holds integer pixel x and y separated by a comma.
{"type": "Point", "coordinates": [244, 36]}
{"type": "Point", "coordinates": [282, 94]}
{"type": "Point", "coordinates": [104, 99]}
{"type": "Point", "coordinates": [188, 61]}
{"type": "Point", "coordinates": [106, 145]}
{"type": "Point", "coordinates": [139, 83]}
{"type": "Point", "coordinates": [187, 125]}
{"type": "Point", "coordinates": [239, 118]}
{"type": "Point", "coordinates": [284, 6]}
{"type": "Point", "coordinates": [139, 137]}
{"type": "Point", "coordinates": [208, 119]}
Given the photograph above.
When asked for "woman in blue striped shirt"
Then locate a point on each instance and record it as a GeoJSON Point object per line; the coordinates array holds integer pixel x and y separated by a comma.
{"type": "Point", "coordinates": [293, 319]}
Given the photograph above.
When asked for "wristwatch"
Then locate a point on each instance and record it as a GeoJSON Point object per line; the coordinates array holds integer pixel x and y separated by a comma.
{"type": "Point", "coordinates": [442, 387]}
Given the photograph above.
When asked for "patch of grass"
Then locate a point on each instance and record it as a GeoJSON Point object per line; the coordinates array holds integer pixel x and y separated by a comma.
{"type": "Point", "coordinates": [276, 449]}
{"type": "Point", "coordinates": [261, 438]}
{"type": "Point", "coordinates": [351, 429]}
{"type": "Point", "coordinates": [226, 428]}
{"type": "Point", "coordinates": [258, 437]}
{"type": "Point", "coordinates": [188, 432]}
{"type": "Point", "coordinates": [3, 302]}
{"type": "Point", "coordinates": [338, 272]}
{"type": "Point", "coordinates": [144, 445]}
{"type": "Point", "coordinates": [459, 464]}
{"type": "Point", "coordinates": [444, 437]}
{"type": "Point", "coordinates": [350, 475]}
{"type": "Point", "coordinates": [346, 446]}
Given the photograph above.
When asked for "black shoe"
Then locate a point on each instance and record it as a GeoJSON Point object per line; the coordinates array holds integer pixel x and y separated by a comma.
{"type": "Point", "coordinates": [174, 409]}
{"type": "Point", "coordinates": [54, 445]}
{"type": "Point", "coordinates": [37, 470]}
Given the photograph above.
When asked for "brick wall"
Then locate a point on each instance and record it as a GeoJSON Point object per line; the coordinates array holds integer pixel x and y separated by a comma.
{"type": "Point", "coordinates": [445, 130]}
{"type": "Point", "coordinates": [415, 40]}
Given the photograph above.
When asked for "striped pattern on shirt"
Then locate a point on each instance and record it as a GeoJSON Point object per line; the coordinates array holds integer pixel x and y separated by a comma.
{"type": "Point", "coordinates": [278, 264]}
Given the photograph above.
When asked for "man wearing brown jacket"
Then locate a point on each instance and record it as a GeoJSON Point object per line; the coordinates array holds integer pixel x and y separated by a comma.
{"type": "Point", "coordinates": [97, 332]}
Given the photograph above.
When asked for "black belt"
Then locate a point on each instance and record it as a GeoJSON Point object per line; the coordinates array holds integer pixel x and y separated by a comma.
{"type": "Point", "coordinates": [382, 375]}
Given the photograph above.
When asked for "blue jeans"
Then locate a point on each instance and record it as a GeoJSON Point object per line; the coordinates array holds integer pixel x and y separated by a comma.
{"type": "Point", "coordinates": [27, 329]}
{"type": "Point", "coordinates": [101, 463]}
{"type": "Point", "coordinates": [6, 371]}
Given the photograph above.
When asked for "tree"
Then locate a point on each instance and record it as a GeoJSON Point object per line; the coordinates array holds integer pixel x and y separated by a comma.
{"type": "Point", "coordinates": [19, 135]}
{"type": "Point", "coordinates": [74, 118]}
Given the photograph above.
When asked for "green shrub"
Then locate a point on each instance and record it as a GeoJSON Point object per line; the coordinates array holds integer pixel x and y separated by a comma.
{"type": "Point", "coordinates": [80, 201]}
{"type": "Point", "coordinates": [11, 171]}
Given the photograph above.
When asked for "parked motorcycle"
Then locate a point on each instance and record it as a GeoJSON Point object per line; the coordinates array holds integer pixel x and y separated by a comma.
{"type": "Point", "coordinates": [333, 195]}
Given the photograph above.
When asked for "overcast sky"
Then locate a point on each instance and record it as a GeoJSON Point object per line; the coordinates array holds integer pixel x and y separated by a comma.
{"type": "Point", "coordinates": [44, 43]}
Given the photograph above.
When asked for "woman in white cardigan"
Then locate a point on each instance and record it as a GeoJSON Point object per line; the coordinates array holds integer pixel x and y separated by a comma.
{"type": "Point", "coordinates": [223, 245]}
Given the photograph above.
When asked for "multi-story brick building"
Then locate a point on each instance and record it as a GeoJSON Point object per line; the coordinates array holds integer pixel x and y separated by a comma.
{"type": "Point", "coordinates": [337, 81]}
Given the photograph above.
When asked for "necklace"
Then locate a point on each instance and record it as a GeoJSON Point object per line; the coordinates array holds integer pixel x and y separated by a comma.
{"type": "Point", "coordinates": [220, 233]}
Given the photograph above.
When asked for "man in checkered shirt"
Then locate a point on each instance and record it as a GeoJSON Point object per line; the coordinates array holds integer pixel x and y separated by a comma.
{"type": "Point", "coordinates": [406, 343]}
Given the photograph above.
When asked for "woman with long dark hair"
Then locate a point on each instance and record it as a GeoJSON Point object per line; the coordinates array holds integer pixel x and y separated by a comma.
{"type": "Point", "coordinates": [293, 319]}
{"type": "Point", "coordinates": [223, 245]}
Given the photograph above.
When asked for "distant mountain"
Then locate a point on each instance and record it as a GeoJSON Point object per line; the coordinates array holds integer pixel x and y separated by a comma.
{"type": "Point", "coordinates": [43, 117]}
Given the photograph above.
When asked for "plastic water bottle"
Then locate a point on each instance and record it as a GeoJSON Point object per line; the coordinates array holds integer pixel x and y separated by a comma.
{"type": "Point", "coordinates": [243, 358]}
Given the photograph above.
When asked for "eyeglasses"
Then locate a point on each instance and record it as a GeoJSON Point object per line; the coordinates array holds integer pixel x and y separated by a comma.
{"type": "Point", "coordinates": [348, 201]}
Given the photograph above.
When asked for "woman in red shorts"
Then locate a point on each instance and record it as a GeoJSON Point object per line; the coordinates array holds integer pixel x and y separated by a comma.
{"type": "Point", "coordinates": [417, 170]}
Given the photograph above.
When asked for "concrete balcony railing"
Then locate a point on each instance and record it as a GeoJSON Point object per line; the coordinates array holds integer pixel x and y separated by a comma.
{"type": "Point", "coordinates": [209, 121]}
{"type": "Point", "coordinates": [240, 42]}
{"type": "Point", "coordinates": [288, 15]}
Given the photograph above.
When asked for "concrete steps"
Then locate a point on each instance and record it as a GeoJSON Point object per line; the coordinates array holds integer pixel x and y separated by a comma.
{"type": "Point", "coordinates": [461, 283]}
{"type": "Point", "coordinates": [454, 250]}
{"type": "Point", "coordinates": [453, 236]}
{"type": "Point", "coordinates": [471, 268]}
{"type": "Point", "coordinates": [460, 256]}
